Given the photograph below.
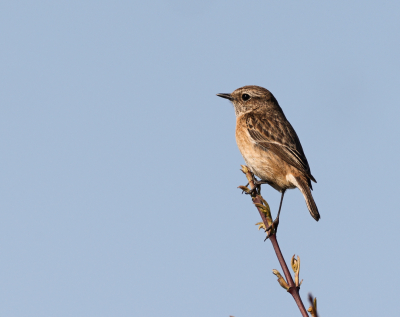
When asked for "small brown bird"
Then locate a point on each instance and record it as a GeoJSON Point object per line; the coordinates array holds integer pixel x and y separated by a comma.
{"type": "Point", "coordinates": [269, 144]}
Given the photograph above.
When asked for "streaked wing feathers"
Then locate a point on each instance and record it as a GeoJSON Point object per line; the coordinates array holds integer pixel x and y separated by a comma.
{"type": "Point", "coordinates": [272, 134]}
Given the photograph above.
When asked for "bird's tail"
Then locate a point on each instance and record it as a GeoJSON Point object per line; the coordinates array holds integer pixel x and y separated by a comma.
{"type": "Point", "coordinates": [305, 189]}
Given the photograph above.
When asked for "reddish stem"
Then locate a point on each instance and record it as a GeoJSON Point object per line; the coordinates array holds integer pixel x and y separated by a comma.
{"type": "Point", "coordinates": [293, 289]}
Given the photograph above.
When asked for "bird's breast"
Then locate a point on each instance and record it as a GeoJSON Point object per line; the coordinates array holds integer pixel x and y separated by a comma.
{"type": "Point", "coordinates": [263, 163]}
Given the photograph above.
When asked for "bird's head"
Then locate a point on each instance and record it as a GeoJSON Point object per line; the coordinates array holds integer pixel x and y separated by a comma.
{"type": "Point", "coordinates": [249, 98]}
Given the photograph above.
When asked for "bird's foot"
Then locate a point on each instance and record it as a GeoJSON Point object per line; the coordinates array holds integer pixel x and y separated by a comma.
{"type": "Point", "coordinates": [273, 226]}
{"type": "Point", "coordinates": [244, 188]}
{"type": "Point", "coordinates": [256, 190]}
{"type": "Point", "coordinates": [260, 182]}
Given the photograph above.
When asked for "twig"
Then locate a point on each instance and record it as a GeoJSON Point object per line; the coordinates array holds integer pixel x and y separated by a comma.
{"type": "Point", "coordinates": [313, 305]}
{"type": "Point", "coordinates": [267, 220]}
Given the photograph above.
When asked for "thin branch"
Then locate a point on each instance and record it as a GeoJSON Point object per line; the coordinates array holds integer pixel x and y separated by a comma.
{"type": "Point", "coordinates": [267, 220]}
{"type": "Point", "coordinates": [313, 305]}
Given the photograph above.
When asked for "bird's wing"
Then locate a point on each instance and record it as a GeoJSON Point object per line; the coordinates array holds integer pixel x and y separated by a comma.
{"type": "Point", "coordinates": [275, 134]}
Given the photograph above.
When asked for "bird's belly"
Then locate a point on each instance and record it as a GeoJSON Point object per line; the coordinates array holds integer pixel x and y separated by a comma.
{"type": "Point", "coordinates": [266, 165]}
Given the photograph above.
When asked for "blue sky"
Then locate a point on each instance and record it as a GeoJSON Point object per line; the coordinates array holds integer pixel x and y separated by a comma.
{"type": "Point", "coordinates": [119, 167]}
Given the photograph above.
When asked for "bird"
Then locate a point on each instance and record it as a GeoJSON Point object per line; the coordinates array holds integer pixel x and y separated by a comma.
{"type": "Point", "coordinates": [269, 144]}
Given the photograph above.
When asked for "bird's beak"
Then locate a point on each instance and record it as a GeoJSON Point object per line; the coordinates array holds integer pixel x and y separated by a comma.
{"type": "Point", "coordinates": [226, 96]}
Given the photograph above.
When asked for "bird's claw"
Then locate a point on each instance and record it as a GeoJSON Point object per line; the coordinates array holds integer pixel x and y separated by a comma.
{"type": "Point", "coordinates": [244, 189]}
{"type": "Point", "coordinates": [274, 226]}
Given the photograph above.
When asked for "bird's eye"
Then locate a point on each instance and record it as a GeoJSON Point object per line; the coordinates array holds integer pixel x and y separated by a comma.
{"type": "Point", "coordinates": [245, 97]}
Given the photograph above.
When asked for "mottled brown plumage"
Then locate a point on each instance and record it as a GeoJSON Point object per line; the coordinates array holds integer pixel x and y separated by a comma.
{"type": "Point", "coordinates": [269, 144]}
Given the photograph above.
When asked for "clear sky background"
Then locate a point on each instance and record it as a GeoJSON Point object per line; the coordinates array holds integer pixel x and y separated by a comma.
{"type": "Point", "coordinates": [119, 167]}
